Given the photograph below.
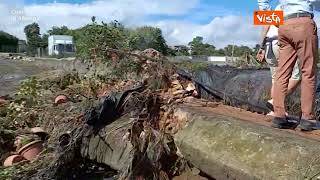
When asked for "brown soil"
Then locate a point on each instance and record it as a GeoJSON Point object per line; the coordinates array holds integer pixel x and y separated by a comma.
{"type": "Point", "coordinates": [247, 116]}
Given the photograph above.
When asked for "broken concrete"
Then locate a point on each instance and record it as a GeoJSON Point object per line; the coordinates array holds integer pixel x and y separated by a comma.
{"type": "Point", "coordinates": [229, 148]}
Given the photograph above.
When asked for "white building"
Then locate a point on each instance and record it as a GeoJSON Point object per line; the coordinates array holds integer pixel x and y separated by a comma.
{"type": "Point", "coordinates": [217, 59]}
{"type": "Point", "coordinates": [60, 44]}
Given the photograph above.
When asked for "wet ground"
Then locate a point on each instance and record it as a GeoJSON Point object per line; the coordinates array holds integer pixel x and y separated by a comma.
{"type": "Point", "coordinates": [12, 72]}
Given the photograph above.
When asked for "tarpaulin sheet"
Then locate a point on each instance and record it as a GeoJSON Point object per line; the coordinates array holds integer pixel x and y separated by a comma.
{"type": "Point", "coordinates": [245, 88]}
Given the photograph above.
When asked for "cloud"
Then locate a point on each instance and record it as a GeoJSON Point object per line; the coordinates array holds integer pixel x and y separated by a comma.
{"type": "Point", "coordinates": [220, 32]}
{"type": "Point", "coordinates": [181, 22]}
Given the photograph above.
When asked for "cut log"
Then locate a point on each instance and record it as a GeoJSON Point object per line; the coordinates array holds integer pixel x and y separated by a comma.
{"type": "Point", "coordinates": [109, 146]}
{"type": "Point", "coordinates": [227, 147]}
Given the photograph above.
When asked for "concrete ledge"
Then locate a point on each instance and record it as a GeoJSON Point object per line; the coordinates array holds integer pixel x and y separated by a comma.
{"type": "Point", "coordinates": [229, 148]}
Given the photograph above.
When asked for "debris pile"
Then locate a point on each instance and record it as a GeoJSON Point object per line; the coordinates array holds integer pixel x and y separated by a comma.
{"type": "Point", "coordinates": [20, 58]}
{"type": "Point", "coordinates": [74, 108]}
{"type": "Point", "coordinates": [117, 120]}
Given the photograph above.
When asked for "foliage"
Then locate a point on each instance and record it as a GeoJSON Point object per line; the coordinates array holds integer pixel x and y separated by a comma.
{"type": "Point", "coordinates": [7, 39]}
{"type": "Point", "coordinates": [7, 173]}
{"type": "Point", "coordinates": [21, 112]}
{"type": "Point", "coordinates": [55, 30]}
{"type": "Point", "coordinates": [204, 49]}
{"type": "Point", "coordinates": [200, 48]}
{"type": "Point", "coordinates": [237, 51]}
{"type": "Point", "coordinates": [125, 67]}
{"type": "Point", "coordinates": [179, 51]}
{"type": "Point", "coordinates": [98, 37]}
{"type": "Point", "coordinates": [148, 37]}
{"type": "Point", "coordinates": [32, 32]}
{"type": "Point", "coordinates": [44, 41]}
{"type": "Point", "coordinates": [8, 43]}
{"type": "Point", "coordinates": [29, 91]}
{"type": "Point", "coordinates": [220, 52]}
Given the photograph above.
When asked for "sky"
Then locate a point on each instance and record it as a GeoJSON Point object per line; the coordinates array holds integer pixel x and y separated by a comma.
{"type": "Point", "coordinates": [219, 22]}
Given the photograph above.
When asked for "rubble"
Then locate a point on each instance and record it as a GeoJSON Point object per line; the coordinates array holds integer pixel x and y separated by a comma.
{"type": "Point", "coordinates": [20, 58]}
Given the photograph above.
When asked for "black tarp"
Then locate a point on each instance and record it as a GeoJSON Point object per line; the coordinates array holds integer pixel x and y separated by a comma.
{"type": "Point", "coordinates": [245, 88]}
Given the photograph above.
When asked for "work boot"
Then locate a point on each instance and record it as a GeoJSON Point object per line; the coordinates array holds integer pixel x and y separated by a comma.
{"type": "Point", "coordinates": [283, 123]}
{"type": "Point", "coordinates": [309, 125]}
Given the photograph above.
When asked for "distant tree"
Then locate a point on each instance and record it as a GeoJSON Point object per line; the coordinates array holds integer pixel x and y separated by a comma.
{"type": "Point", "coordinates": [55, 30]}
{"type": "Point", "coordinates": [32, 32]}
{"type": "Point", "coordinates": [237, 51]}
{"type": "Point", "coordinates": [44, 40]}
{"type": "Point", "coordinates": [200, 48]}
{"type": "Point", "coordinates": [7, 40]}
{"type": "Point", "coordinates": [147, 37]}
{"type": "Point", "coordinates": [182, 51]}
{"type": "Point", "coordinates": [220, 52]}
{"type": "Point", "coordinates": [229, 50]}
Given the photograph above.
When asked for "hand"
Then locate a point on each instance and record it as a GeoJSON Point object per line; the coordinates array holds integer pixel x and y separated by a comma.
{"type": "Point", "coordinates": [261, 55]}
